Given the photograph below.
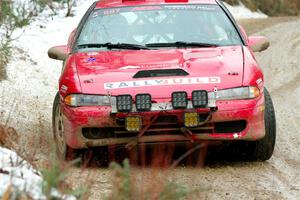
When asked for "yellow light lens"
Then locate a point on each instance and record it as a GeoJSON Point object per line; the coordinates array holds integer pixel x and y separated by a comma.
{"type": "Point", "coordinates": [261, 108]}
{"type": "Point", "coordinates": [254, 92]}
{"type": "Point", "coordinates": [69, 100]}
{"type": "Point", "coordinates": [191, 119]}
{"type": "Point", "coordinates": [133, 123]}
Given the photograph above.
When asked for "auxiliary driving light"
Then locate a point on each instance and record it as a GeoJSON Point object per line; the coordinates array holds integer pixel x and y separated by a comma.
{"type": "Point", "coordinates": [143, 102]}
{"type": "Point", "coordinates": [179, 100]}
{"type": "Point", "coordinates": [200, 99]}
{"type": "Point", "coordinates": [124, 103]}
{"type": "Point", "coordinates": [191, 119]}
{"type": "Point", "coordinates": [133, 123]}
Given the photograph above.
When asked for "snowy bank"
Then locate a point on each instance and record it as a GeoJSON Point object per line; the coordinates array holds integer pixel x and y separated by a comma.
{"type": "Point", "coordinates": [17, 173]}
{"type": "Point", "coordinates": [32, 78]}
{"type": "Point", "coordinates": [242, 12]}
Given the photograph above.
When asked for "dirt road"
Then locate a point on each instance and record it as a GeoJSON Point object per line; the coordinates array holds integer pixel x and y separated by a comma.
{"type": "Point", "coordinates": [279, 178]}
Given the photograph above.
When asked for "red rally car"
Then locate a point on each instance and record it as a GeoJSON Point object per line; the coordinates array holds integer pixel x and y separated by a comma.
{"type": "Point", "coordinates": [159, 71]}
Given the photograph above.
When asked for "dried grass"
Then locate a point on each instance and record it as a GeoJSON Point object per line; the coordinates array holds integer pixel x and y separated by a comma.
{"type": "Point", "coordinates": [271, 7]}
{"type": "Point", "coordinates": [9, 138]}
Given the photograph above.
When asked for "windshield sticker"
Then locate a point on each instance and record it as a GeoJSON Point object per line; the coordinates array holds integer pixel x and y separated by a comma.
{"type": "Point", "coordinates": [160, 82]}
{"type": "Point", "coordinates": [191, 7]}
{"type": "Point", "coordinates": [112, 11]}
{"type": "Point", "coordinates": [95, 14]}
{"type": "Point", "coordinates": [138, 8]}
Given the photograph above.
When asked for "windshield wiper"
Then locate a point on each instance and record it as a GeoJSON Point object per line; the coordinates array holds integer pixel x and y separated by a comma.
{"type": "Point", "coordinates": [181, 44]}
{"type": "Point", "coordinates": [112, 46]}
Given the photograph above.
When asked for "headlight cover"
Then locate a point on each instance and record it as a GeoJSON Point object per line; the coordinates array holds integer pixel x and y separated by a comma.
{"type": "Point", "coordinates": [76, 100]}
{"type": "Point", "coordinates": [237, 93]}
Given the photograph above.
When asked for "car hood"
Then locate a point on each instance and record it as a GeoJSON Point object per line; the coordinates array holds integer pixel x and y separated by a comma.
{"type": "Point", "coordinates": [112, 72]}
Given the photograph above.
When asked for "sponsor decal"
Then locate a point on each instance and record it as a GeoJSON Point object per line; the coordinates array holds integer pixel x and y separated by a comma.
{"type": "Point", "coordinates": [259, 81]}
{"type": "Point", "coordinates": [63, 89]}
{"type": "Point", "coordinates": [159, 82]}
{"type": "Point", "coordinates": [91, 59]}
{"type": "Point", "coordinates": [92, 54]}
{"type": "Point", "coordinates": [191, 7]}
{"type": "Point", "coordinates": [88, 81]}
{"type": "Point", "coordinates": [130, 67]}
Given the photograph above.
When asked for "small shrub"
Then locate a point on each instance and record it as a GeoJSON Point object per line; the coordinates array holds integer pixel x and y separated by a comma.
{"type": "Point", "coordinates": [9, 138]}
{"type": "Point", "coordinates": [12, 16]}
{"type": "Point", "coordinates": [70, 4]}
{"type": "Point", "coordinates": [54, 178]}
{"type": "Point", "coordinates": [5, 51]}
{"type": "Point", "coordinates": [126, 186]}
{"type": "Point", "coordinates": [40, 5]}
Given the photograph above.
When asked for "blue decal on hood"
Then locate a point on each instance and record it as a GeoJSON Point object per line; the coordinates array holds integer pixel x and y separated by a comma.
{"type": "Point", "coordinates": [91, 60]}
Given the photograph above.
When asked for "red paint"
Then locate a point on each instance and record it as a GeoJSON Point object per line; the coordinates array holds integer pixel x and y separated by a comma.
{"type": "Point", "coordinates": [82, 76]}
{"type": "Point", "coordinates": [203, 62]}
{"type": "Point", "coordinates": [118, 3]}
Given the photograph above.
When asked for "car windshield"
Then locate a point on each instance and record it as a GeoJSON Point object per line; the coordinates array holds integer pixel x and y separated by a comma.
{"type": "Point", "coordinates": [158, 26]}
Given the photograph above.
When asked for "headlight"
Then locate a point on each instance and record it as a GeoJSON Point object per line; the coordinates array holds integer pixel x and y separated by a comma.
{"type": "Point", "coordinates": [89, 100]}
{"type": "Point", "coordinates": [237, 93]}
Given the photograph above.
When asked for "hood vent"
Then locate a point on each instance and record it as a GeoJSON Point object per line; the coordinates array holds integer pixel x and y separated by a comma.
{"type": "Point", "coordinates": [160, 73]}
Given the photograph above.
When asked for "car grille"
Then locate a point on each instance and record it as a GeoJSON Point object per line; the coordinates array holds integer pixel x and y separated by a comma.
{"type": "Point", "coordinates": [165, 125]}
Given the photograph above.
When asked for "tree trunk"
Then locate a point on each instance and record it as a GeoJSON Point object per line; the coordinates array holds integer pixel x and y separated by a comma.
{"type": "Point", "coordinates": [70, 4]}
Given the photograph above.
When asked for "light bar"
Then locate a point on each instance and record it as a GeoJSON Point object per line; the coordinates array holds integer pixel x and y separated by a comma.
{"type": "Point", "coordinates": [200, 99]}
{"type": "Point", "coordinates": [124, 103]}
{"type": "Point", "coordinates": [143, 102]}
{"type": "Point", "coordinates": [191, 119]}
{"type": "Point", "coordinates": [133, 123]}
{"type": "Point", "coordinates": [179, 100]}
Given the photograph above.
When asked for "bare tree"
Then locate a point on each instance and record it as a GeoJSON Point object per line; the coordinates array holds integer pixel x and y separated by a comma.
{"type": "Point", "coordinates": [70, 4]}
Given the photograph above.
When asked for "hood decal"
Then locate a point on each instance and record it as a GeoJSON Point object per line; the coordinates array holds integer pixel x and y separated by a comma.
{"type": "Point", "coordinates": [158, 82]}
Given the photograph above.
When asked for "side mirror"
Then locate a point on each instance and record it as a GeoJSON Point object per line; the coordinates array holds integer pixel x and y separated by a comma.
{"type": "Point", "coordinates": [58, 52]}
{"type": "Point", "coordinates": [258, 43]}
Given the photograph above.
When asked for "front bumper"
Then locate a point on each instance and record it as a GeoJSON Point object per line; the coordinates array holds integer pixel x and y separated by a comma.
{"type": "Point", "coordinates": [250, 112]}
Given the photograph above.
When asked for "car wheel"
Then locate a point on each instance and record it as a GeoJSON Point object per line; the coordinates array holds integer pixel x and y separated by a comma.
{"type": "Point", "coordinates": [63, 151]}
{"type": "Point", "coordinates": [263, 149]}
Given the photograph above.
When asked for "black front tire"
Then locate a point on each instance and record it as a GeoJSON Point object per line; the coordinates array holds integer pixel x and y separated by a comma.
{"type": "Point", "coordinates": [63, 152]}
{"type": "Point", "coordinates": [260, 150]}
{"type": "Point", "coordinates": [263, 149]}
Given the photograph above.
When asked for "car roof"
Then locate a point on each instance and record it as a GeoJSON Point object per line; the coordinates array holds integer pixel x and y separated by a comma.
{"type": "Point", "coordinates": [120, 3]}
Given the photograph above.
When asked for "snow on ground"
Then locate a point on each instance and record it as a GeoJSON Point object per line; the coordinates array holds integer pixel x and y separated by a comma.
{"type": "Point", "coordinates": [26, 96]}
{"type": "Point", "coordinates": [242, 12]}
{"type": "Point", "coordinates": [16, 172]}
